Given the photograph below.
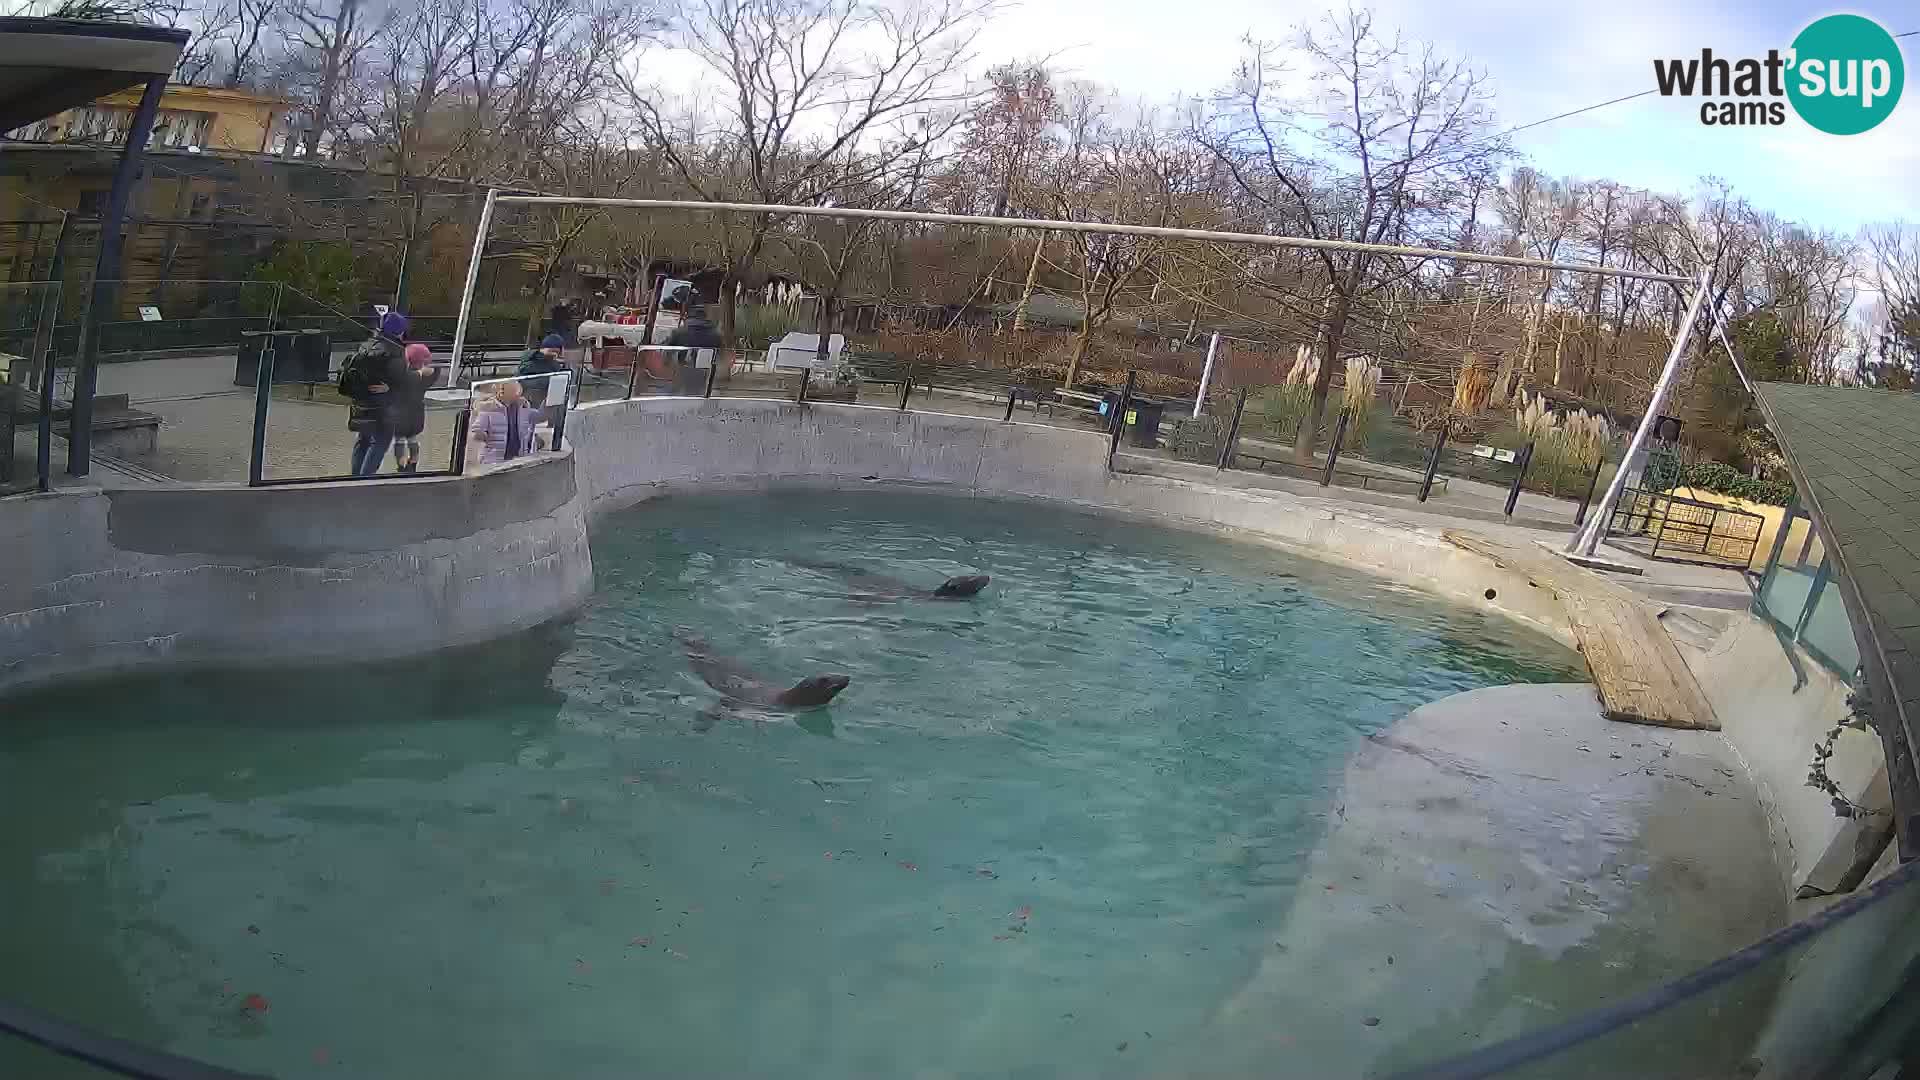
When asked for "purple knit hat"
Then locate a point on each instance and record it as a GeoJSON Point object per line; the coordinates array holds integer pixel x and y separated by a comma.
{"type": "Point", "coordinates": [394, 325]}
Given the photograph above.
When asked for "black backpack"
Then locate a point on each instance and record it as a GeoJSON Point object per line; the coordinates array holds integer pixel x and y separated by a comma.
{"type": "Point", "coordinates": [353, 370]}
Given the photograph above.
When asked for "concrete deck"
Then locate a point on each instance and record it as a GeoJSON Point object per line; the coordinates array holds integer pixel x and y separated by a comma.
{"type": "Point", "coordinates": [1500, 860]}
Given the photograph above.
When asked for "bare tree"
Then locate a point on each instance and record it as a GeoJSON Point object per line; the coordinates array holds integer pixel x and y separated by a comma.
{"type": "Point", "coordinates": [329, 36]}
{"type": "Point", "coordinates": [1388, 139]}
{"type": "Point", "coordinates": [807, 81]}
{"type": "Point", "coordinates": [1893, 250]}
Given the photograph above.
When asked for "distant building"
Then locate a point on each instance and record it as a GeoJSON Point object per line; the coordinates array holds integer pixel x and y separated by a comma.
{"type": "Point", "coordinates": [192, 118]}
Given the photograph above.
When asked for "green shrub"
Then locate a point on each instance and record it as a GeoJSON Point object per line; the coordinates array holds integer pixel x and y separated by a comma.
{"type": "Point", "coordinates": [1723, 479]}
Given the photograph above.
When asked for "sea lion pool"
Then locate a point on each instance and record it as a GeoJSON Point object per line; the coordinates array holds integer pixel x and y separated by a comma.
{"type": "Point", "coordinates": [1045, 831]}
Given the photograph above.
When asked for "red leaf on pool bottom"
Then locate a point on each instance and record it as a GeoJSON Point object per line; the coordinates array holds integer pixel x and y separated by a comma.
{"type": "Point", "coordinates": [321, 1055]}
{"type": "Point", "coordinates": [581, 966]}
{"type": "Point", "coordinates": [826, 854]}
{"type": "Point", "coordinates": [643, 942]}
{"type": "Point", "coordinates": [1025, 912]}
{"type": "Point", "coordinates": [255, 1003]}
{"type": "Point", "coordinates": [908, 866]}
{"type": "Point", "coordinates": [1003, 937]}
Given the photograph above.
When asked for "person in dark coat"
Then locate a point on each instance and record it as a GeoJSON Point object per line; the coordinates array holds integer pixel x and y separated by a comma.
{"type": "Point", "coordinates": [695, 332]}
{"type": "Point", "coordinates": [407, 407]}
{"type": "Point", "coordinates": [366, 378]}
{"type": "Point", "coordinates": [544, 360]}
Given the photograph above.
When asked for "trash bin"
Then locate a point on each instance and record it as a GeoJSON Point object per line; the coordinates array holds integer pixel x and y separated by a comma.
{"type": "Point", "coordinates": [299, 356]}
{"type": "Point", "coordinates": [246, 364]}
{"type": "Point", "coordinates": [308, 357]}
{"type": "Point", "coordinates": [1144, 414]}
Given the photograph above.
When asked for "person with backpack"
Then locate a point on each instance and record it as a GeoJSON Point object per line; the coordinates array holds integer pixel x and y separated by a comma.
{"type": "Point", "coordinates": [367, 377]}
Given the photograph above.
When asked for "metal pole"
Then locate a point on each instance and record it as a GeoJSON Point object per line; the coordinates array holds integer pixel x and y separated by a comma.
{"type": "Point", "coordinates": [1333, 448]}
{"type": "Point", "coordinates": [106, 274]}
{"type": "Point", "coordinates": [1206, 373]}
{"type": "Point", "coordinates": [633, 372]}
{"type": "Point", "coordinates": [56, 273]}
{"type": "Point", "coordinates": [1519, 475]}
{"type": "Point", "coordinates": [1587, 540]}
{"type": "Point", "coordinates": [713, 366]}
{"type": "Point", "coordinates": [406, 253]}
{"type": "Point", "coordinates": [1720, 328]}
{"type": "Point", "coordinates": [1580, 515]}
{"type": "Point", "coordinates": [1090, 227]}
{"type": "Point", "coordinates": [800, 396]}
{"type": "Point", "coordinates": [262, 395]}
{"type": "Point", "coordinates": [43, 456]}
{"type": "Point", "coordinates": [459, 463]}
{"type": "Point", "coordinates": [1233, 431]}
{"type": "Point", "coordinates": [906, 387]}
{"type": "Point", "coordinates": [1120, 418]}
{"type": "Point", "coordinates": [1013, 395]}
{"type": "Point", "coordinates": [473, 278]}
{"type": "Point", "coordinates": [1433, 460]}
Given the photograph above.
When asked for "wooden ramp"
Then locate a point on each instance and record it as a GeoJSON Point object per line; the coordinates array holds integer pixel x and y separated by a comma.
{"type": "Point", "coordinates": [1640, 673]}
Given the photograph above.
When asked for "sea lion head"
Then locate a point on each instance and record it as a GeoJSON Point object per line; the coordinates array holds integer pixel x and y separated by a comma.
{"type": "Point", "coordinates": [815, 690]}
{"type": "Point", "coordinates": [959, 588]}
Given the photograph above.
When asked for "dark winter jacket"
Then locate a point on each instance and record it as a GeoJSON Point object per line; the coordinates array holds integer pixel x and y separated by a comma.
{"type": "Point", "coordinates": [407, 401]}
{"type": "Point", "coordinates": [378, 361]}
{"type": "Point", "coordinates": [696, 334]}
{"type": "Point", "coordinates": [537, 362]}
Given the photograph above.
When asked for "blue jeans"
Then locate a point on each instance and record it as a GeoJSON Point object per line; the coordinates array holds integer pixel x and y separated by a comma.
{"type": "Point", "coordinates": [369, 450]}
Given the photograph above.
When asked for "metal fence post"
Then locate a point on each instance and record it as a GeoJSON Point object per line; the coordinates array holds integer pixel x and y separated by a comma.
{"type": "Point", "coordinates": [1120, 418]}
{"type": "Point", "coordinates": [1013, 395]}
{"type": "Point", "coordinates": [1333, 448]}
{"type": "Point", "coordinates": [800, 395]}
{"type": "Point", "coordinates": [1233, 431]}
{"type": "Point", "coordinates": [43, 456]}
{"type": "Point", "coordinates": [1433, 460]}
{"type": "Point", "coordinates": [906, 388]}
{"type": "Point", "coordinates": [1519, 475]}
{"type": "Point", "coordinates": [262, 394]}
{"type": "Point", "coordinates": [460, 421]}
{"type": "Point", "coordinates": [1580, 515]}
{"type": "Point", "coordinates": [713, 368]}
{"type": "Point", "coordinates": [633, 373]}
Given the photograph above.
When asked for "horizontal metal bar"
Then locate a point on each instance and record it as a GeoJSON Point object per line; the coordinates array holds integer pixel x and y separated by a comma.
{"type": "Point", "coordinates": [1061, 225]}
{"type": "Point", "coordinates": [294, 481]}
{"type": "Point", "coordinates": [117, 1056]}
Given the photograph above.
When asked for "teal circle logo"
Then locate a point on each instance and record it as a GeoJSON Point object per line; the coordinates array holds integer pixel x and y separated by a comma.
{"type": "Point", "coordinates": [1846, 74]}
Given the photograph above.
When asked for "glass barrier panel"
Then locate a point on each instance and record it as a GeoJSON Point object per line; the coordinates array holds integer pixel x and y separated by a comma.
{"type": "Point", "coordinates": [515, 418]}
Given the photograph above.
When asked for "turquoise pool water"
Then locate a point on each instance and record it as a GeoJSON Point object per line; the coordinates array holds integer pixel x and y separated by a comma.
{"type": "Point", "coordinates": [1045, 832]}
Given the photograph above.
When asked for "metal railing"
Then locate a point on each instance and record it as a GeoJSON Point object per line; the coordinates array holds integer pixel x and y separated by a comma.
{"type": "Point", "coordinates": [1675, 529]}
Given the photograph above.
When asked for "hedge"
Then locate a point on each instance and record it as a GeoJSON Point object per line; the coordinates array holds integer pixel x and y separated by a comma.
{"type": "Point", "coordinates": [1724, 479]}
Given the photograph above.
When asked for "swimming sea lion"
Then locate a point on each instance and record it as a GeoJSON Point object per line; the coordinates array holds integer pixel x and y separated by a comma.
{"type": "Point", "coordinates": [739, 686]}
{"type": "Point", "coordinates": [879, 588]}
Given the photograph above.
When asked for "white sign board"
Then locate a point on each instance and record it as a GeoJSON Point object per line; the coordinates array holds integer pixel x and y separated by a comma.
{"type": "Point", "coordinates": [380, 310]}
{"type": "Point", "coordinates": [798, 350]}
{"type": "Point", "coordinates": [148, 313]}
{"type": "Point", "coordinates": [1493, 452]}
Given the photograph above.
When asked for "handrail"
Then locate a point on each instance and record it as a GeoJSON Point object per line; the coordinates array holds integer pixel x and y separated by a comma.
{"type": "Point", "coordinates": [117, 1056]}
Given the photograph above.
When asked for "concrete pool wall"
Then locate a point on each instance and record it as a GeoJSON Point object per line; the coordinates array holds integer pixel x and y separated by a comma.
{"type": "Point", "coordinates": [630, 451]}
{"type": "Point", "coordinates": [102, 581]}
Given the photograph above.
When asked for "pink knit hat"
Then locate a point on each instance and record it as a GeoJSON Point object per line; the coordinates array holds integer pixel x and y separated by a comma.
{"type": "Point", "coordinates": [419, 355]}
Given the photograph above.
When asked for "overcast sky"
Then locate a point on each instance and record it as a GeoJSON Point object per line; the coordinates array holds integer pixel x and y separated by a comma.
{"type": "Point", "coordinates": [1544, 57]}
